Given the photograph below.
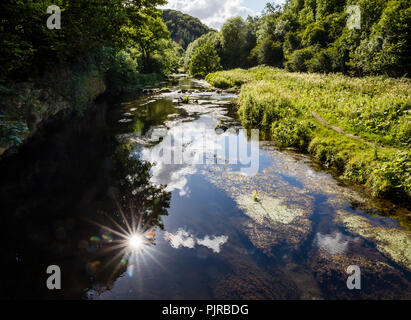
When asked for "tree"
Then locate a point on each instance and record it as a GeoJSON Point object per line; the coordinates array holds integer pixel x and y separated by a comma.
{"type": "Point", "coordinates": [148, 37]}
{"type": "Point", "coordinates": [234, 43]}
{"type": "Point", "coordinates": [214, 38]}
{"type": "Point", "coordinates": [204, 61]}
{"type": "Point", "coordinates": [184, 28]}
{"type": "Point", "coordinates": [387, 50]}
{"type": "Point", "coordinates": [27, 47]}
{"type": "Point", "coordinates": [268, 52]}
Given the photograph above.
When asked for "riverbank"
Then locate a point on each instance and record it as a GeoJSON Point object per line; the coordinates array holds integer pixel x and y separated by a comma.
{"type": "Point", "coordinates": [372, 145]}
{"type": "Point", "coordinates": [64, 188]}
{"type": "Point", "coordinates": [68, 90]}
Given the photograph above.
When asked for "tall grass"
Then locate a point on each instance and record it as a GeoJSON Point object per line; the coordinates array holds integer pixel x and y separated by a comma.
{"type": "Point", "coordinates": [376, 109]}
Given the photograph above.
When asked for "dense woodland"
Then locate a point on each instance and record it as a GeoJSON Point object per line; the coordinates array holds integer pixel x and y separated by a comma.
{"type": "Point", "coordinates": [183, 27]}
{"type": "Point", "coordinates": [304, 35]}
{"type": "Point", "coordinates": [123, 28]}
{"type": "Point", "coordinates": [124, 44]}
{"type": "Point", "coordinates": [312, 36]}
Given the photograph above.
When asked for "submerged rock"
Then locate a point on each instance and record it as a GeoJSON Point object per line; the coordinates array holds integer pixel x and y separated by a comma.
{"type": "Point", "coordinates": [267, 208]}
{"type": "Point", "coordinates": [393, 242]}
{"type": "Point", "coordinates": [247, 280]}
{"type": "Point", "coordinates": [379, 280]}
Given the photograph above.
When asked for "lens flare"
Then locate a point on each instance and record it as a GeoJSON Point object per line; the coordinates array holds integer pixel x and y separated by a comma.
{"type": "Point", "coordinates": [132, 241]}
{"type": "Point", "coordinates": [135, 241]}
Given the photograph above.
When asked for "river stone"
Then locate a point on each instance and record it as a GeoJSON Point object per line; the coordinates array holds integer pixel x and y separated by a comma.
{"type": "Point", "coordinates": [247, 280]}
{"type": "Point", "coordinates": [393, 242]}
{"type": "Point", "coordinates": [379, 280]}
{"type": "Point", "coordinates": [267, 208]}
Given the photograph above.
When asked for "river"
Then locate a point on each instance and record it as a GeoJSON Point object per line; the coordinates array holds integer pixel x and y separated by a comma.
{"type": "Point", "coordinates": [165, 197]}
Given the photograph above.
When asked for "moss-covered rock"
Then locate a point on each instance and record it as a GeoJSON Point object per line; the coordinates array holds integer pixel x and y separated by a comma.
{"type": "Point", "coordinates": [393, 242]}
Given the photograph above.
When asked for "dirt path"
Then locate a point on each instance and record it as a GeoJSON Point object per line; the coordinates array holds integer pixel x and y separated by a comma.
{"type": "Point", "coordinates": [339, 130]}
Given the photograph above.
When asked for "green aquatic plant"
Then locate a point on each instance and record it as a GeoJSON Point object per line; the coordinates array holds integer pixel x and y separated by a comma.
{"type": "Point", "coordinates": [255, 196]}
{"type": "Point", "coordinates": [268, 208]}
{"type": "Point", "coordinates": [395, 243]}
{"type": "Point", "coordinates": [185, 99]}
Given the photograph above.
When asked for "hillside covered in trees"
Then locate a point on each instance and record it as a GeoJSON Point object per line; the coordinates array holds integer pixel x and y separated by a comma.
{"type": "Point", "coordinates": [101, 46]}
{"type": "Point", "coordinates": [183, 27]}
{"type": "Point", "coordinates": [314, 36]}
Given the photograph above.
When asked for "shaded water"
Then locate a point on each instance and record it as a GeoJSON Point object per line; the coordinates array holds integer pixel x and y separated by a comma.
{"type": "Point", "coordinates": [71, 199]}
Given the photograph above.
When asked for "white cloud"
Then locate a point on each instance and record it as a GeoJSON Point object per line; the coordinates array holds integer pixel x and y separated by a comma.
{"type": "Point", "coordinates": [214, 243]}
{"type": "Point", "coordinates": [333, 244]}
{"type": "Point", "coordinates": [211, 12]}
{"type": "Point", "coordinates": [182, 238]}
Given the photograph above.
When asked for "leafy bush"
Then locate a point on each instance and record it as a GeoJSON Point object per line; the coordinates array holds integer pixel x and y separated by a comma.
{"type": "Point", "coordinates": [262, 103]}
{"type": "Point", "coordinates": [392, 176]}
{"type": "Point", "coordinates": [327, 153]}
{"type": "Point", "coordinates": [297, 61]}
{"type": "Point", "coordinates": [212, 37]}
{"type": "Point", "coordinates": [204, 61]}
{"type": "Point", "coordinates": [123, 71]}
{"type": "Point", "coordinates": [269, 53]}
{"type": "Point", "coordinates": [12, 132]}
{"type": "Point", "coordinates": [294, 133]}
{"type": "Point", "coordinates": [314, 34]}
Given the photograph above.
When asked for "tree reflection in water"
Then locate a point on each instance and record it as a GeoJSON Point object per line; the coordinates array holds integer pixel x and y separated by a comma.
{"type": "Point", "coordinates": [127, 231]}
{"type": "Point", "coordinates": [49, 193]}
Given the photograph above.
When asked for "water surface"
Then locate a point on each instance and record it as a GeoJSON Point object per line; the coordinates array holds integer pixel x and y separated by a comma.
{"type": "Point", "coordinates": [211, 227]}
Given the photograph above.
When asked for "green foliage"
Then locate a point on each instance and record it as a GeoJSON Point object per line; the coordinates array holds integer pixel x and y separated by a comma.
{"type": "Point", "coordinates": [314, 34]}
{"type": "Point", "coordinates": [392, 175]}
{"type": "Point", "coordinates": [298, 60]}
{"type": "Point", "coordinates": [12, 132]}
{"type": "Point", "coordinates": [387, 49]}
{"type": "Point", "coordinates": [184, 28]}
{"type": "Point", "coordinates": [326, 7]}
{"type": "Point", "coordinates": [151, 39]}
{"type": "Point", "coordinates": [213, 38]}
{"type": "Point", "coordinates": [314, 37]}
{"type": "Point", "coordinates": [376, 109]}
{"type": "Point", "coordinates": [237, 77]}
{"type": "Point", "coordinates": [28, 46]}
{"type": "Point", "coordinates": [292, 42]}
{"type": "Point", "coordinates": [234, 43]}
{"type": "Point", "coordinates": [289, 132]}
{"type": "Point", "coordinates": [268, 52]}
{"type": "Point", "coordinates": [328, 153]}
{"type": "Point", "coordinates": [185, 99]}
{"type": "Point", "coordinates": [255, 196]}
{"type": "Point", "coordinates": [204, 61]}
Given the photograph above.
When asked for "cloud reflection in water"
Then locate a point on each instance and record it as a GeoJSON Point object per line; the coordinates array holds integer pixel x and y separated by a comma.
{"type": "Point", "coordinates": [332, 244]}
{"type": "Point", "coordinates": [183, 238]}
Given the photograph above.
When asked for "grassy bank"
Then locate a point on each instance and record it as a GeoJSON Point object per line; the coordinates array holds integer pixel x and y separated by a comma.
{"type": "Point", "coordinates": [374, 109]}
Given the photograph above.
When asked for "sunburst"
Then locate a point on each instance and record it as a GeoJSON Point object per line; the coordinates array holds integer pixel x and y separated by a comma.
{"type": "Point", "coordinates": [135, 243]}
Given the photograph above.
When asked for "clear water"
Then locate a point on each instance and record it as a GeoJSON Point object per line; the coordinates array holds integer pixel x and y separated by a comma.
{"type": "Point", "coordinates": [97, 199]}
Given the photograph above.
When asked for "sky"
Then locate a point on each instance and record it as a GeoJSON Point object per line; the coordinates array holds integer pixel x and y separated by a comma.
{"type": "Point", "coordinates": [215, 12]}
